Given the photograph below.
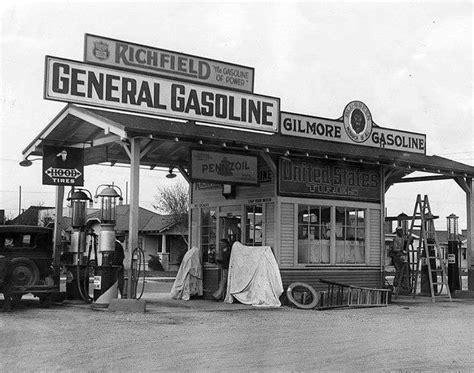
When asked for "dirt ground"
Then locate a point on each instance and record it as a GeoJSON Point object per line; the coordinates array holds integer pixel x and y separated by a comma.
{"type": "Point", "coordinates": [404, 336]}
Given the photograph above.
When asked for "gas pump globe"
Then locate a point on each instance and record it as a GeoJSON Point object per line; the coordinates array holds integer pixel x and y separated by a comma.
{"type": "Point", "coordinates": [108, 200]}
{"type": "Point", "coordinates": [454, 281]}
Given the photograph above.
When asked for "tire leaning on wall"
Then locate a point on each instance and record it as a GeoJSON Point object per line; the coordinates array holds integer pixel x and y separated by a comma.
{"type": "Point", "coordinates": [290, 294]}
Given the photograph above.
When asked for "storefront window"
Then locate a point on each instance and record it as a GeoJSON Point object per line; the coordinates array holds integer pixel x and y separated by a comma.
{"type": "Point", "coordinates": [208, 234]}
{"type": "Point", "coordinates": [254, 225]}
{"type": "Point", "coordinates": [314, 234]}
{"type": "Point", "coordinates": [350, 235]}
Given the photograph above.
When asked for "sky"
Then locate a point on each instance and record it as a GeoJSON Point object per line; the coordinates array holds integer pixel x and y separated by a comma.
{"type": "Point", "coordinates": [410, 62]}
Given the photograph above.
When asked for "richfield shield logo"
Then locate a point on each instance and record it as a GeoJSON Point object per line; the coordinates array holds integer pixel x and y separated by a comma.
{"type": "Point", "coordinates": [101, 50]}
{"type": "Point", "coordinates": [357, 121]}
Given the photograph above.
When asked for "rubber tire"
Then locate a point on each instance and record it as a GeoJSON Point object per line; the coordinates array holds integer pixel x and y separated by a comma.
{"type": "Point", "coordinates": [289, 294]}
{"type": "Point", "coordinates": [33, 273]}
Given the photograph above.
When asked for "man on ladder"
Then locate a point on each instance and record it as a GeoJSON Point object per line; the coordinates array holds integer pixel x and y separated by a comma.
{"type": "Point", "coordinates": [399, 258]}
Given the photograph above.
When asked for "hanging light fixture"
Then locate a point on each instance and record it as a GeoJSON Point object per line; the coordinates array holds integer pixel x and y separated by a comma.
{"type": "Point", "coordinates": [171, 175]}
{"type": "Point", "coordinates": [27, 162]}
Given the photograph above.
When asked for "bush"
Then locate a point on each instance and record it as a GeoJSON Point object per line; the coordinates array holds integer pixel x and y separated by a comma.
{"type": "Point", "coordinates": [154, 263]}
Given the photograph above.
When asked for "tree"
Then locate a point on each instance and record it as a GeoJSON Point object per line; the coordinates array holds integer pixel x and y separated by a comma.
{"type": "Point", "coordinates": [173, 200]}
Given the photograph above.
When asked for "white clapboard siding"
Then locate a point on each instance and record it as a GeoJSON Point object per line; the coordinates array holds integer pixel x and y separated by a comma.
{"type": "Point", "coordinates": [287, 235]}
{"type": "Point", "coordinates": [270, 225]}
{"type": "Point", "coordinates": [375, 234]}
{"type": "Point", "coordinates": [243, 192]}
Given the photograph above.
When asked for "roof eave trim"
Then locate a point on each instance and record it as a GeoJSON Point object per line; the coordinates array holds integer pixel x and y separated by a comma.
{"type": "Point", "coordinates": [109, 126]}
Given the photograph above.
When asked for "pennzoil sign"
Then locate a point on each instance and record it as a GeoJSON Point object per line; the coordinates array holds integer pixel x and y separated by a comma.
{"type": "Point", "coordinates": [63, 166]}
{"type": "Point", "coordinates": [227, 168]}
{"type": "Point", "coordinates": [141, 58]}
{"type": "Point", "coordinates": [82, 83]}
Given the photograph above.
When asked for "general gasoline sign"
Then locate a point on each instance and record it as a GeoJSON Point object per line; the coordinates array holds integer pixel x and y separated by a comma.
{"type": "Point", "coordinates": [223, 167]}
{"type": "Point", "coordinates": [63, 166]}
{"type": "Point", "coordinates": [82, 83]}
{"type": "Point", "coordinates": [141, 58]}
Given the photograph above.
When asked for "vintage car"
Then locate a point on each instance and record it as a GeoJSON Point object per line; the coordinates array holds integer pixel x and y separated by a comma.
{"type": "Point", "coordinates": [26, 263]}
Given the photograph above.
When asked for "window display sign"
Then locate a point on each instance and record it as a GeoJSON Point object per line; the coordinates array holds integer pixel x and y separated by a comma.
{"type": "Point", "coordinates": [225, 168]}
{"type": "Point", "coordinates": [125, 55]}
{"type": "Point", "coordinates": [328, 179]}
{"type": "Point", "coordinates": [355, 127]}
{"type": "Point", "coordinates": [63, 166]}
{"type": "Point", "coordinates": [77, 82]}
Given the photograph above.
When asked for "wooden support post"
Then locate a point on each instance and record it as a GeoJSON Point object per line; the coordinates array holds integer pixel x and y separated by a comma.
{"type": "Point", "coordinates": [58, 222]}
{"type": "Point", "coordinates": [470, 233]}
{"type": "Point", "coordinates": [134, 207]}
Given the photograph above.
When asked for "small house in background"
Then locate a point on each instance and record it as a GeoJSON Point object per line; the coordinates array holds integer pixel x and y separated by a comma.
{"type": "Point", "coordinates": [35, 215]}
{"type": "Point", "coordinates": [157, 235]}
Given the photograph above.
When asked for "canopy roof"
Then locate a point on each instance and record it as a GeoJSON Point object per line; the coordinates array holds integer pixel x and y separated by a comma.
{"type": "Point", "coordinates": [164, 142]}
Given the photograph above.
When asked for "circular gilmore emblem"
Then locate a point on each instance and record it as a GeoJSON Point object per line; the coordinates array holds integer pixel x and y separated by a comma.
{"type": "Point", "coordinates": [357, 121]}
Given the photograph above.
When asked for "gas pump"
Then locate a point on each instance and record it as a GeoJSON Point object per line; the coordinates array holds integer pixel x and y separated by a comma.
{"type": "Point", "coordinates": [105, 277]}
{"type": "Point", "coordinates": [453, 253]}
{"type": "Point", "coordinates": [77, 287]}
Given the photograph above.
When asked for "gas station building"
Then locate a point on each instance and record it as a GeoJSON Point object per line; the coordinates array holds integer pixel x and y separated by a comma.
{"type": "Point", "coordinates": [311, 188]}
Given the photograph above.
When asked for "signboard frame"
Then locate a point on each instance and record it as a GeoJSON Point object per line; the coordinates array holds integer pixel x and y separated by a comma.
{"type": "Point", "coordinates": [332, 130]}
{"type": "Point", "coordinates": [62, 163]}
{"type": "Point", "coordinates": [252, 158]}
{"type": "Point", "coordinates": [229, 104]}
{"type": "Point", "coordinates": [227, 69]}
{"type": "Point", "coordinates": [302, 189]}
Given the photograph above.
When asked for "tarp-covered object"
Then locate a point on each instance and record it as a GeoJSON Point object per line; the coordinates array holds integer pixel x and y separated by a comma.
{"type": "Point", "coordinates": [188, 280]}
{"type": "Point", "coordinates": [254, 277]}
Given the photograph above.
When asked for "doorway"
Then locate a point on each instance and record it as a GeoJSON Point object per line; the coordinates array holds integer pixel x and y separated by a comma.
{"type": "Point", "coordinates": [230, 227]}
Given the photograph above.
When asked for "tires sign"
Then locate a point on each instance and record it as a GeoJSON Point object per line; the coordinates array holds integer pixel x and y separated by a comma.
{"type": "Point", "coordinates": [63, 166]}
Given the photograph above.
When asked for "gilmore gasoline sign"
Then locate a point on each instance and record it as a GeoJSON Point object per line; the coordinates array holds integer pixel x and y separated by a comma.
{"type": "Point", "coordinates": [63, 166]}
{"type": "Point", "coordinates": [82, 83]}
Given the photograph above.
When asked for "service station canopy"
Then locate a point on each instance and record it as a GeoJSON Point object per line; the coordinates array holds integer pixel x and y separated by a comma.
{"type": "Point", "coordinates": [104, 135]}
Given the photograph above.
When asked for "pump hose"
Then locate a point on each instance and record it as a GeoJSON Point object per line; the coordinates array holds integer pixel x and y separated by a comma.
{"type": "Point", "coordinates": [90, 263]}
{"type": "Point", "coordinates": [82, 289]}
{"type": "Point", "coordinates": [140, 271]}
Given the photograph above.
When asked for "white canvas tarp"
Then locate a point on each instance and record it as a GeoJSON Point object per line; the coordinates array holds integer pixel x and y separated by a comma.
{"type": "Point", "coordinates": [254, 277]}
{"type": "Point", "coordinates": [188, 280]}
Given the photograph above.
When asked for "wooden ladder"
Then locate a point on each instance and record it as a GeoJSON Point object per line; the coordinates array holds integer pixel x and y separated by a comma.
{"type": "Point", "coordinates": [427, 250]}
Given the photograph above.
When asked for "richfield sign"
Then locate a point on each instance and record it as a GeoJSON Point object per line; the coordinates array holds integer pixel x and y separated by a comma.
{"type": "Point", "coordinates": [224, 168]}
{"type": "Point", "coordinates": [125, 55]}
{"type": "Point", "coordinates": [82, 83]}
{"type": "Point", "coordinates": [355, 127]}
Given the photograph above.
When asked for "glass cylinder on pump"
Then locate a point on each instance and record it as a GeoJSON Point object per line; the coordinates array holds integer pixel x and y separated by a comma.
{"type": "Point", "coordinates": [79, 199]}
{"type": "Point", "coordinates": [108, 200]}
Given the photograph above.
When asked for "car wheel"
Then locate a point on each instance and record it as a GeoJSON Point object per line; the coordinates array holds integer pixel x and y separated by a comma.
{"type": "Point", "coordinates": [25, 272]}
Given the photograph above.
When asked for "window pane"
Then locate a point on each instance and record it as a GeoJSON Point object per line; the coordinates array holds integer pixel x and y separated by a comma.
{"type": "Point", "coordinates": [208, 234]}
{"type": "Point", "coordinates": [350, 235]}
{"type": "Point", "coordinates": [254, 225]}
{"type": "Point", "coordinates": [314, 234]}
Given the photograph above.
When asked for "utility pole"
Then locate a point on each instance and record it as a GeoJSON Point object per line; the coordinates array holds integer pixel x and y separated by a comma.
{"type": "Point", "coordinates": [19, 200]}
